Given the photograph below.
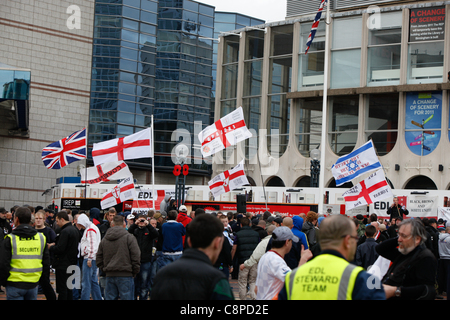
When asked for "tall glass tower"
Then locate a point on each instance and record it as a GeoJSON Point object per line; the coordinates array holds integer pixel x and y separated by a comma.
{"type": "Point", "coordinates": [123, 69]}
{"type": "Point", "coordinates": [183, 78]}
{"type": "Point", "coordinates": [156, 57]}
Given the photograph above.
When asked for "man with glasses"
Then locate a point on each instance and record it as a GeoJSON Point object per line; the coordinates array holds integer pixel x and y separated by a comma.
{"type": "Point", "coordinates": [413, 270]}
{"type": "Point", "coordinates": [330, 275]}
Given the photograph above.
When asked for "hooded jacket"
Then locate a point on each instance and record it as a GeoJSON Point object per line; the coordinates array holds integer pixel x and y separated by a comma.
{"type": "Point", "coordinates": [444, 245]}
{"type": "Point", "coordinates": [118, 254]}
{"type": "Point", "coordinates": [297, 230]}
{"type": "Point", "coordinates": [164, 204]}
{"type": "Point", "coordinates": [25, 231]}
{"type": "Point", "coordinates": [91, 238]}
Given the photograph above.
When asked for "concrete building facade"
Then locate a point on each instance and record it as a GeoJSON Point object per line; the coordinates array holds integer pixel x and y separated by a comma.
{"type": "Point", "coordinates": [388, 81]}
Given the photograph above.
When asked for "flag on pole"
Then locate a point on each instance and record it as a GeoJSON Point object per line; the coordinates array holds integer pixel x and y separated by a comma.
{"type": "Point", "coordinates": [225, 132]}
{"type": "Point", "coordinates": [360, 161]}
{"type": "Point", "coordinates": [105, 172]}
{"type": "Point", "coordinates": [65, 151]}
{"type": "Point", "coordinates": [315, 25]}
{"type": "Point", "coordinates": [120, 193]}
{"type": "Point", "coordinates": [228, 180]}
{"type": "Point", "coordinates": [372, 189]}
{"type": "Point", "coordinates": [135, 146]}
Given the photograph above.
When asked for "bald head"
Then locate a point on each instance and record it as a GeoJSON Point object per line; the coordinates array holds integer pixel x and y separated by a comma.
{"type": "Point", "coordinates": [287, 222]}
{"type": "Point", "coordinates": [333, 229]}
{"type": "Point", "coordinates": [270, 229]}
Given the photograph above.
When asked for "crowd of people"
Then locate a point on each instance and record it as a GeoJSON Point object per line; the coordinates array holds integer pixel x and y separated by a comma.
{"type": "Point", "coordinates": [181, 255]}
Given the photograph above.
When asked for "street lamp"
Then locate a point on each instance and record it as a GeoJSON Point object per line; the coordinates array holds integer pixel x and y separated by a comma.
{"type": "Point", "coordinates": [315, 168]}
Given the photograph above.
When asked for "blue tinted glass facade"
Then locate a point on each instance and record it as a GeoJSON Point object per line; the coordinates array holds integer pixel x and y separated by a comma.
{"type": "Point", "coordinates": [123, 69]}
{"type": "Point", "coordinates": [155, 57]}
{"type": "Point", "coordinates": [183, 75]}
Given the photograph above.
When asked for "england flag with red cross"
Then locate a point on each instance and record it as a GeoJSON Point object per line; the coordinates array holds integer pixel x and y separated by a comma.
{"type": "Point", "coordinates": [225, 132]}
{"type": "Point", "coordinates": [372, 189]}
{"type": "Point", "coordinates": [135, 146]}
{"type": "Point", "coordinates": [123, 191]}
{"type": "Point", "coordinates": [228, 180]}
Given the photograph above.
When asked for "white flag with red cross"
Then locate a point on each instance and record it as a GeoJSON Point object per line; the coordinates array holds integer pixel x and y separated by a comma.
{"type": "Point", "coordinates": [105, 172]}
{"type": "Point", "coordinates": [225, 132]}
{"type": "Point", "coordinates": [372, 189]}
{"type": "Point", "coordinates": [120, 193]}
{"type": "Point", "coordinates": [135, 146]}
{"type": "Point", "coordinates": [228, 180]}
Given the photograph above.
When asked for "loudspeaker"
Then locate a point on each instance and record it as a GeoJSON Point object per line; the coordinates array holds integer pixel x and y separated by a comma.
{"type": "Point", "coordinates": [241, 203]}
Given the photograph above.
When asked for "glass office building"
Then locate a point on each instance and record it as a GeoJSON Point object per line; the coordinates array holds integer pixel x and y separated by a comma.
{"type": "Point", "coordinates": [183, 79]}
{"type": "Point", "coordinates": [156, 57]}
{"type": "Point", "coordinates": [123, 69]}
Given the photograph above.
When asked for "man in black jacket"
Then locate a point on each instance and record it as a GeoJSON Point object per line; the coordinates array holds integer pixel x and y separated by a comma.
{"type": "Point", "coordinates": [396, 210]}
{"type": "Point", "coordinates": [145, 234]}
{"type": "Point", "coordinates": [65, 251]}
{"type": "Point", "coordinates": [193, 275]}
{"type": "Point", "coordinates": [245, 243]}
{"type": "Point", "coordinates": [366, 253]}
{"type": "Point", "coordinates": [413, 270]}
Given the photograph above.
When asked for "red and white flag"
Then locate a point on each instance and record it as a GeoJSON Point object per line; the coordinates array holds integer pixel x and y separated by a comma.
{"type": "Point", "coordinates": [225, 132]}
{"type": "Point", "coordinates": [372, 189]}
{"type": "Point", "coordinates": [105, 172]}
{"type": "Point", "coordinates": [228, 180]}
{"type": "Point", "coordinates": [135, 146]}
{"type": "Point", "coordinates": [120, 193]}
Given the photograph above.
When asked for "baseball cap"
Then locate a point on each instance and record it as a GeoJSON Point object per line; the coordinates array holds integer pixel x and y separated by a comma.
{"type": "Point", "coordinates": [182, 208]}
{"type": "Point", "coordinates": [130, 216]}
{"type": "Point", "coordinates": [283, 234]}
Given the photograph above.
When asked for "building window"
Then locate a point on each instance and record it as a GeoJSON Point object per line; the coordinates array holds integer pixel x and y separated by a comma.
{"type": "Point", "coordinates": [383, 66]}
{"type": "Point", "coordinates": [382, 121]}
{"type": "Point", "coordinates": [280, 75]}
{"type": "Point", "coordinates": [425, 62]}
{"type": "Point", "coordinates": [343, 124]}
{"type": "Point", "coordinates": [346, 53]}
{"type": "Point", "coordinates": [251, 102]}
{"type": "Point", "coordinates": [309, 125]}
{"type": "Point", "coordinates": [311, 65]}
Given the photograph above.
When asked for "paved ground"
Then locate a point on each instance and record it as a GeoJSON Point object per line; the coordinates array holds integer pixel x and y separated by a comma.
{"type": "Point", "coordinates": [233, 284]}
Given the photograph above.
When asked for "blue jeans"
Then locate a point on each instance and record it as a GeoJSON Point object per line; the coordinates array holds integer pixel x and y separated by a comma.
{"type": "Point", "coordinates": [89, 282]}
{"type": "Point", "coordinates": [13, 293]}
{"type": "Point", "coordinates": [166, 259]}
{"type": "Point", "coordinates": [119, 287]}
{"type": "Point", "coordinates": [142, 281]}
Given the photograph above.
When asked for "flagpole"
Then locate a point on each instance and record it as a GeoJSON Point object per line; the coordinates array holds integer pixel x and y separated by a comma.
{"type": "Point", "coordinates": [262, 181]}
{"type": "Point", "coordinates": [324, 111]}
{"type": "Point", "coordinates": [153, 164]}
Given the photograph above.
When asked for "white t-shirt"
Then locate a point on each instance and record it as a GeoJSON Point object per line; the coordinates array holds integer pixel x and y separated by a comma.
{"type": "Point", "coordinates": [272, 270]}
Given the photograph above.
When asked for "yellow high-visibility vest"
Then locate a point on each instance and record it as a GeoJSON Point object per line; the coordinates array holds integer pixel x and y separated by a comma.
{"type": "Point", "coordinates": [326, 277]}
{"type": "Point", "coordinates": [26, 260]}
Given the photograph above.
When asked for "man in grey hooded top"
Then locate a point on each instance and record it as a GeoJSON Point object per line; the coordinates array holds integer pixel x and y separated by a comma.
{"type": "Point", "coordinates": [165, 203]}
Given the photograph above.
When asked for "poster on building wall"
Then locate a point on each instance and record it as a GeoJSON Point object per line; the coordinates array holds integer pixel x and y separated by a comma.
{"type": "Point", "coordinates": [423, 121]}
{"type": "Point", "coordinates": [427, 24]}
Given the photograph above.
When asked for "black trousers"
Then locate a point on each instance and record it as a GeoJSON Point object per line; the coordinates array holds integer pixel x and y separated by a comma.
{"type": "Point", "coordinates": [61, 276]}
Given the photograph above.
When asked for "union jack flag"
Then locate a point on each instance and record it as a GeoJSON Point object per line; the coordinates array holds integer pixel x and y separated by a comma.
{"type": "Point", "coordinates": [70, 149]}
{"type": "Point", "coordinates": [315, 25]}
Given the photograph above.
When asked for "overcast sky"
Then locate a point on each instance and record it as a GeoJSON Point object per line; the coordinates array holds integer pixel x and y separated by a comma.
{"type": "Point", "coordinates": [269, 10]}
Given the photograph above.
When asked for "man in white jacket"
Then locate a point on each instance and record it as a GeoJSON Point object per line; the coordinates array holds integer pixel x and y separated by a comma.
{"type": "Point", "coordinates": [88, 248]}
